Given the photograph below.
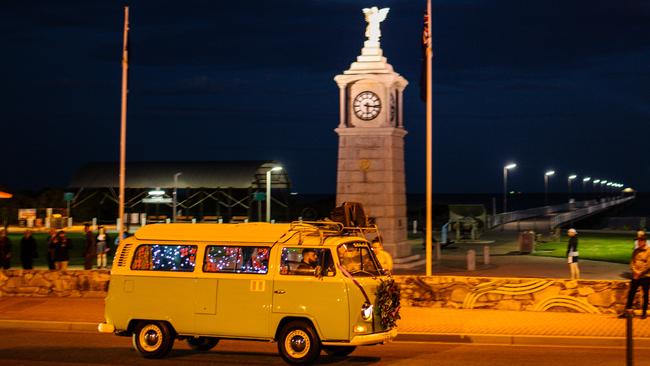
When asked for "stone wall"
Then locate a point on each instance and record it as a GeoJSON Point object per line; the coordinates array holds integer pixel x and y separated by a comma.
{"type": "Point", "coordinates": [520, 294]}
{"type": "Point", "coordinates": [90, 283]}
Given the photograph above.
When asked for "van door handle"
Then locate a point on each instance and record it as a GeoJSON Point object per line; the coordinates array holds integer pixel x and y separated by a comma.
{"type": "Point", "coordinates": [279, 292]}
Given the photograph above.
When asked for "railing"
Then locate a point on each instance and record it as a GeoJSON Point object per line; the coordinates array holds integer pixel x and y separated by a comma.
{"type": "Point", "coordinates": [570, 216]}
{"type": "Point", "coordinates": [507, 217]}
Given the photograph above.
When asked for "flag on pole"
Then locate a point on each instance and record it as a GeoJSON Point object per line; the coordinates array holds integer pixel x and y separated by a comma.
{"type": "Point", "coordinates": [426, 44]}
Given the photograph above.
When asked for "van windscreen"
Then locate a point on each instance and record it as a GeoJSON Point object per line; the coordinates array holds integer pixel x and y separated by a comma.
{"type": "Point", "coordinates": [357, 259]}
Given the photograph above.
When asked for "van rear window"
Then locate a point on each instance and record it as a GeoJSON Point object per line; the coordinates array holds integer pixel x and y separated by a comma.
{"type": "Point", "coordinates": [234, 259]}
{"type": "Point", "coordinates": [157, 257]}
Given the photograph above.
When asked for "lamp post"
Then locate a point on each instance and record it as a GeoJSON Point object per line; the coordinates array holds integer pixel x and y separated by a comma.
{"type": "Point", "coordinates": [505, 185]}
{"type": "Point", "coordinates": [569, 180]}
{"type": "Point", "coordinates": [584, 184]}
{"type": "Point", "coordinates": [602, 188]}
{"type": "Point", "coordinates": [268, 191]}
{"type": "Point", "coordinates": [174, 199]}
{"type": "Point", "coordinates": [546, 177]}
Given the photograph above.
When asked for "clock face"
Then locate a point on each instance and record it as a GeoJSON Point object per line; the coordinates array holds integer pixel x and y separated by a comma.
{"type": "Point", "coordinates": [367, 105]}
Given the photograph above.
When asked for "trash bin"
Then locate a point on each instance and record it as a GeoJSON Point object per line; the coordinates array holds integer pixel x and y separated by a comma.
{"type": "Point", "coordinates": [526, 242]}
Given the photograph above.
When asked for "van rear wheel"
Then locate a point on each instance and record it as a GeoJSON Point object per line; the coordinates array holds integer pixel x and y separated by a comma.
{"type": "Point", "coordinates": [153, 339]}
{"type": "Point", "coordinates": [339, 351]}
{"type": "Point", "coordinates": [202, 344]}
{"type": "Point", "coordinates": [298, 343]}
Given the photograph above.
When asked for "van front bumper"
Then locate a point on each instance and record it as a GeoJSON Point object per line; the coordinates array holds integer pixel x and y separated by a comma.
{"type": "Point", "coordinates": [367, 339]}
{"type": "Point", "coordinates": [106, 328]}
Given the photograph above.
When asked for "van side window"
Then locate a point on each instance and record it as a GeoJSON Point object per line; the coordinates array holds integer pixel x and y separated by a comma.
{"type": "Point", "coordinates": [222, 259]}
{"type": "Point", "coordinates": [304, 261]}
{"type": "Point", "coordinates": [155, 257]}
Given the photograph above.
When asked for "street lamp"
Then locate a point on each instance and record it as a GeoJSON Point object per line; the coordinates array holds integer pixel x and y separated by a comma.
{"type": "Point", "coordinates": [174, 200]}
{"type": "Point", "coordinates": [569, 180]}
{"type": "Point", "coordinates": [584, 183]}
{"type": "Point", "coordinates": [546, 175]}
{"type": "Point", "coordinates": [505, 185]}
{"type": "Point", "coordinates": [268, 191]}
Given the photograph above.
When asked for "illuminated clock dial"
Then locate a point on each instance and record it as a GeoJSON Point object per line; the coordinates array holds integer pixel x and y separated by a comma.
{"type": "Point", "coordinates": [366, 105]}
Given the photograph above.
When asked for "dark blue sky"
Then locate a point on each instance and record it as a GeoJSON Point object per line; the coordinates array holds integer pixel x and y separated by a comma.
{"type": "Point", "coordinates": [548, 84]}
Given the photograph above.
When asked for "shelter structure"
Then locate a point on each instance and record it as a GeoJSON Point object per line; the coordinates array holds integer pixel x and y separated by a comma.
{"type": "Point", "coordinates": [220, 191]}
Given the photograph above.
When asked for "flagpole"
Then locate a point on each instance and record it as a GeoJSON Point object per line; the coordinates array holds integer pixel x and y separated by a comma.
{"type": "Point", "coordinates": [125, 67]}
{"type": "Point", "coordinates": [429, 196]}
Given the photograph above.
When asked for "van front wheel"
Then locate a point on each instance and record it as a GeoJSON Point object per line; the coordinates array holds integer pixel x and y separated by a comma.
{"type": "Point", "coordinates": [202, 344]}
{"type": "Point", "coordinates": [298, 343]}
{"type": "Point", "coordinates": [153, 339]}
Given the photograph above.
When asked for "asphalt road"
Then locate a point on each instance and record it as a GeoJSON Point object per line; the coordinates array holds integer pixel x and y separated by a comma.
{"type": "Point", "coordinates": [20, 347]}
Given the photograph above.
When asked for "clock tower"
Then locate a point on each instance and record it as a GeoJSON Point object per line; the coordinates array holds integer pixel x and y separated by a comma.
{"type": "Point", "coordinates": [371, 138]}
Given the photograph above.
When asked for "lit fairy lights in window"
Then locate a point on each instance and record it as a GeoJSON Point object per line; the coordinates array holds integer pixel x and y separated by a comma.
{"type": "Point", "coordinates": [181, 258]}
{"type": "Point", "coordinates": [236, 259]}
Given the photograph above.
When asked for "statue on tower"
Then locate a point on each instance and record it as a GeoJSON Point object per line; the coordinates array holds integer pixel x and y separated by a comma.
{"type": "Point", "coordinates": [374, 16]}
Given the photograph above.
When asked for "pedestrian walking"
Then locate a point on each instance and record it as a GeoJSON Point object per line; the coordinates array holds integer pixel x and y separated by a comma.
{"type": "Point", "coordinates": [5, 250]}
{"type": "Point", "coordinates": [50, 249]}
{"type": "Point", "coordinates": [90, 251]}
{"type": "Point", "coordinates": [28, 250]}
{"type": "Point", "coordinates": [572, 254]}
{"type": "Point", "coordinates": [640, 265]}
{"type": "Point", "coordinates": [62, 247]}
{"type": "Point", "coordinates": [102, 247]}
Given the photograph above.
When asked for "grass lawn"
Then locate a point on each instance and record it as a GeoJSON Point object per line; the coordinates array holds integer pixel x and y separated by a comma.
{"type": "Point", "coordinates": [76, 251]}
{"type": "Point", "coordinates": [599, 247]}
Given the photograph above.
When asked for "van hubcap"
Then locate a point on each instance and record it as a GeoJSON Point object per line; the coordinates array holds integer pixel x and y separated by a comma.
{"type": "Point", "coordinates": [150, 338]}
{"type": "Point", "coordinates": [297, 343]}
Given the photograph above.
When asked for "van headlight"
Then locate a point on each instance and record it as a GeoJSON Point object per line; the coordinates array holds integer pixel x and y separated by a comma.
{"type": "Point", "coordinates": [366, 311]}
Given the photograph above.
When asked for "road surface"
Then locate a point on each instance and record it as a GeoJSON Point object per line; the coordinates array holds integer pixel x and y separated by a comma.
{"type": "Point", "coordinates": [21, 347]}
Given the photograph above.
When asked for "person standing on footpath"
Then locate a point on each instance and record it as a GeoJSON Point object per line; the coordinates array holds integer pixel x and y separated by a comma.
{"type": "Point", "coordinates": [90, 251]}
{"type": "Point", "coordinates": [51, 249]}
{"type": "Point", "coordinates": [28, 250]}
{"type": "Point", "coordinates": [61, 251]}
{"type": "Point", "coordinates": [102, 247]}
{"type": "Point", "coordinates": [640, 265]}
{"type": "Point", "coordinates": [572, 254]}
{"type": "Point", "coordinates": [5, 250]}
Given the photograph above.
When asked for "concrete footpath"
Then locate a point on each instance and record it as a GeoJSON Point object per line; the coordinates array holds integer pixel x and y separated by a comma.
{"type": "Point", "coordinates": [416, 325]}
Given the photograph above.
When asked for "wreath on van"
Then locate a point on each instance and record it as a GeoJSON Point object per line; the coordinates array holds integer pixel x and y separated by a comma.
{"type": "Point", "coordinates": [388, 303]}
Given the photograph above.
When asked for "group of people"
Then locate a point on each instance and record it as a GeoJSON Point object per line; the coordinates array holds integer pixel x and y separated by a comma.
{"type": "Point", "coordinates": [58, 248]}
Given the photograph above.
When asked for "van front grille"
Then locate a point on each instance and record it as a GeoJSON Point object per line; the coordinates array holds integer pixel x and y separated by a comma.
{"type": "Point", "coordinates": [123, 255]}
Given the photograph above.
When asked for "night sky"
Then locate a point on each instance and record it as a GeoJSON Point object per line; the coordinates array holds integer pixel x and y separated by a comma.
{"type": "Point", "coordinates": [547, 84]}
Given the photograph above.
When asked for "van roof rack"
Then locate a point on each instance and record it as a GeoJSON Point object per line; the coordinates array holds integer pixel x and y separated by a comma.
{"type": "Point", "coordinates": [329, 228]}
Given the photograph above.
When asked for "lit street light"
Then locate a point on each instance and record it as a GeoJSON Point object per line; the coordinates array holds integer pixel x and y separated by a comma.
{"type": "Point", "coordinates": [584, 183]}
{"type": "Point", "coordinates": [505, 185]}
{"type": "Point", "coordinates": [268, 191]}
{"type": "Point", "coordinates": [569, 181]}
{"type": "Point", "coordinates": [546, 176]}
{"type": "Point", "coordinates": [174, 199]}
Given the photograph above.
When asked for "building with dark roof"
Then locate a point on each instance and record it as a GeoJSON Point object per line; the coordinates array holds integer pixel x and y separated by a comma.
{"type": "Point", "coordinates": [207, 190]}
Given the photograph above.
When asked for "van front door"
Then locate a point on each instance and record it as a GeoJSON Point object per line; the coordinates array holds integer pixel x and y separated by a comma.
{"type": "Point", "coordinates": [297, 291]}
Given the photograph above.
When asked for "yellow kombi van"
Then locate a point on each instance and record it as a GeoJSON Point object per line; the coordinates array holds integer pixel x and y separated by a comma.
{"type": "Point", "coordinates": [308, 286]}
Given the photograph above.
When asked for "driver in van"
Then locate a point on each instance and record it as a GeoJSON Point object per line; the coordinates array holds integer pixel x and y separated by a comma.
{"type": "Point", "coordinates": [309, 260]}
